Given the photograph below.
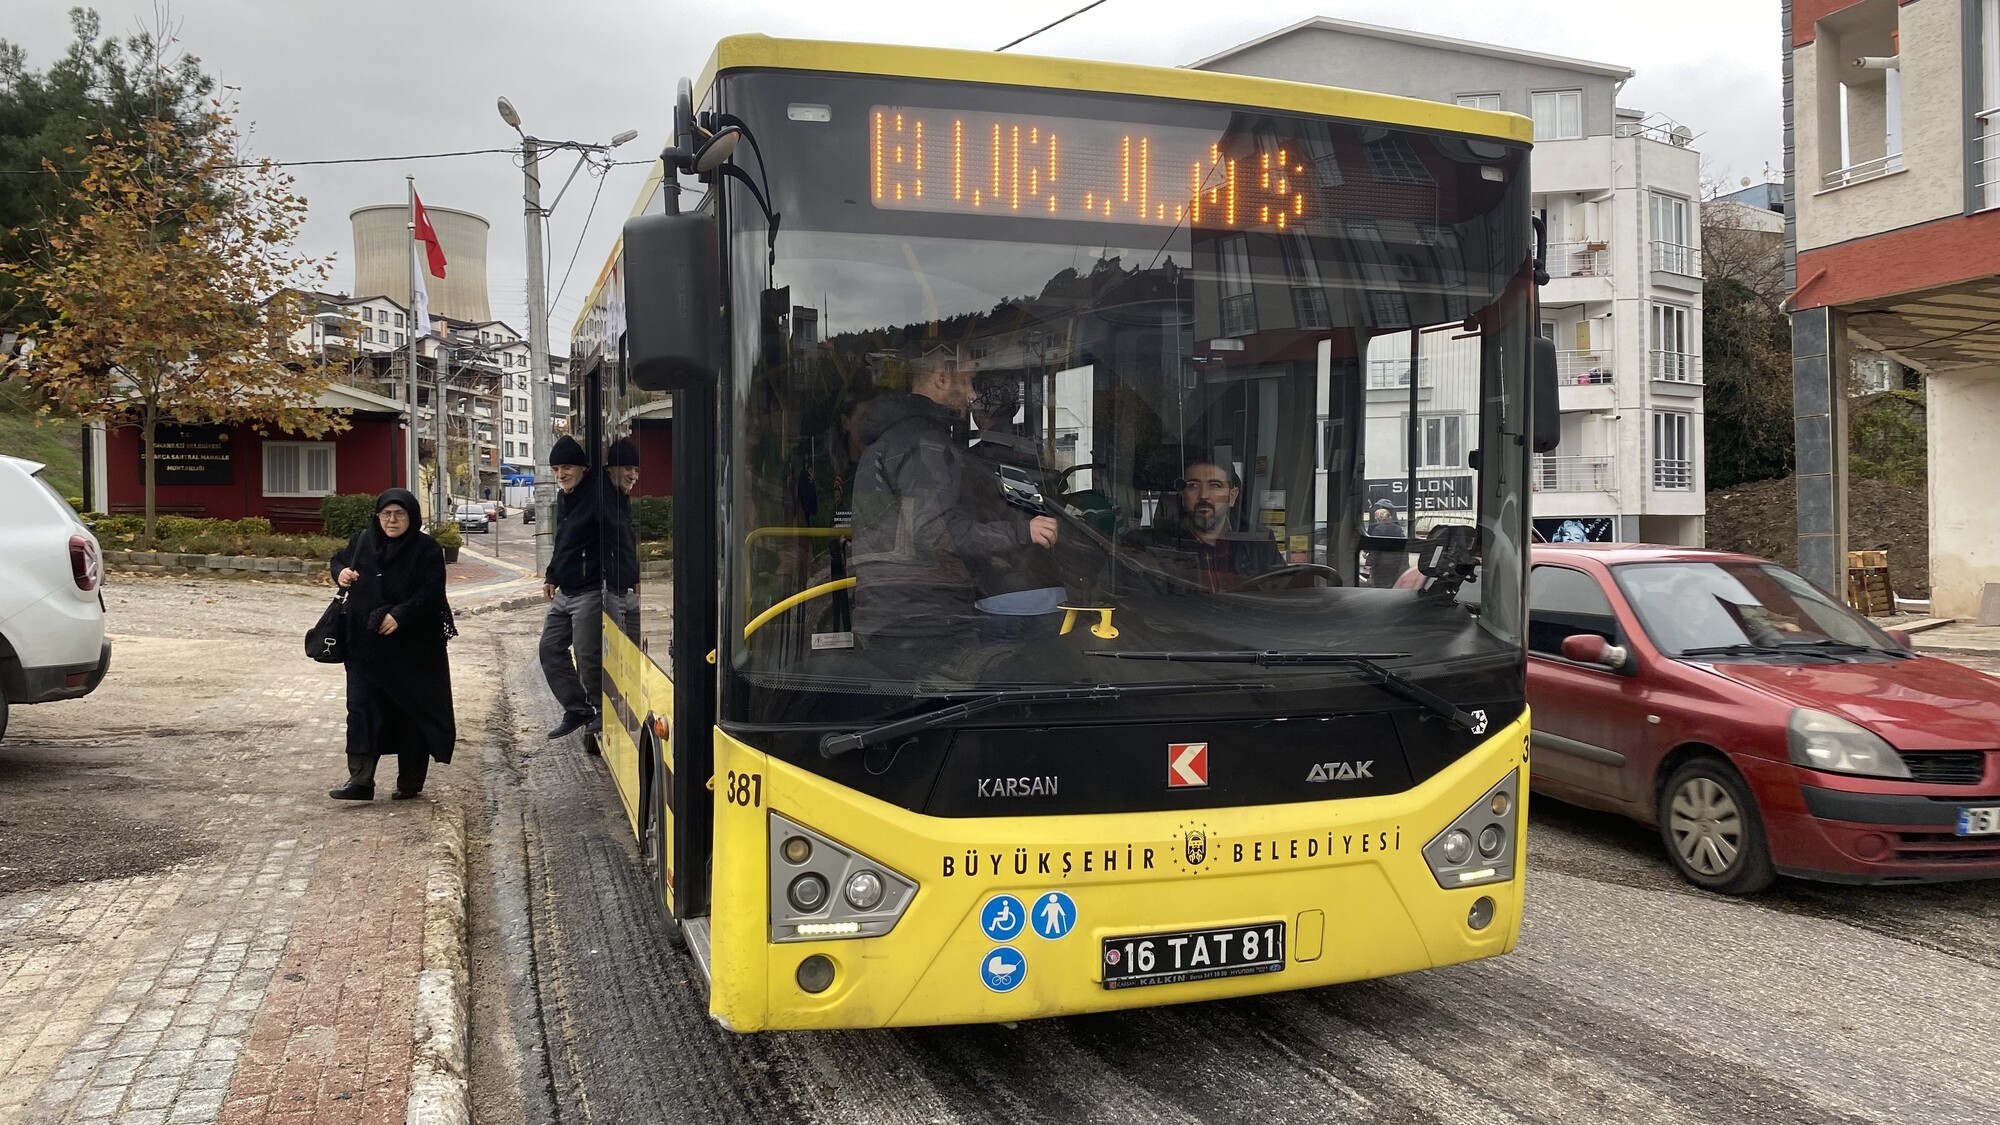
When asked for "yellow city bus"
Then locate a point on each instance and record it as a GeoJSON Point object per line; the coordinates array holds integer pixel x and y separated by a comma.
{"type": "Point", "coordinates": [1035, 629]}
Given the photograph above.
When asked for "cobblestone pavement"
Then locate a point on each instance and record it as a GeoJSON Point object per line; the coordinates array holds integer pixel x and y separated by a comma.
{"type": "Point", "coordinates": [253, 957]}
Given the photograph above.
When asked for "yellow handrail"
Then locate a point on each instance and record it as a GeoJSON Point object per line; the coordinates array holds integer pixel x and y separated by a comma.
{"type": "Point", "coordinates": [764, 618]}
{"type": "Point", "coordinates": [751, 539]}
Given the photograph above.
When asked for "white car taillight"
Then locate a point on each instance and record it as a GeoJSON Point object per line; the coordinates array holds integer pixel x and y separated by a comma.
{"type": "Point", "coordinates": [86, 569]}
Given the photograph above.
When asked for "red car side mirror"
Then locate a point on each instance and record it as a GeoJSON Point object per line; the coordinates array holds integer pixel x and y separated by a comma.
{"type": "Point", "coordinates": [1902, 637]}
{"type": "Point", "coordinates": [1589, 648]}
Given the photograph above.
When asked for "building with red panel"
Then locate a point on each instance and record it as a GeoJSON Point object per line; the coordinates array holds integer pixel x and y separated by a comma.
{"type": "Point", "coordinates": [1892, 176]}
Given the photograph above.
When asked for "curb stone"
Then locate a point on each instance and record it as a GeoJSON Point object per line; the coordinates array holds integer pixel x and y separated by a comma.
{"type": "Point", "coordinates": [517, 602]}
{"type": "Point", "coordinates": [439, 1071]}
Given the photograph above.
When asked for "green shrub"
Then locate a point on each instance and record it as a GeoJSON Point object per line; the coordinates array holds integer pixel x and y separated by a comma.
{"type": "Point", "coordinates": [115, 530]}
{"type": "Point", "coordinates": [447, 535]}
{"type": "Point", "coordinates": [342, 516]}
{"type": "Point", "coordinates": [75, 502]}
{"type": "Point", "coordinates": [653, 518]}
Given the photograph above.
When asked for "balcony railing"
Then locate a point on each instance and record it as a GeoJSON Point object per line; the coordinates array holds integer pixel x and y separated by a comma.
{"type": "Point", "coordinates": [1579, 259]}
{"type": "Point", "coordinates": [1675, 367]}
{"type": "Point", "coordinates": [1674, 474]}
{"type": "Point", "coordinates": [1394, 374]}
{"type": "Point", "coordinates": [1672, 257]}
{"type": "Point", "coordinates": [1866, 170]}
{"type": "Point", "coordinates": [1989, 158]}
{"type": "Point", "coordinates": [1583, 369]}
{"type": "Point", "coordinates": [1569, 473]}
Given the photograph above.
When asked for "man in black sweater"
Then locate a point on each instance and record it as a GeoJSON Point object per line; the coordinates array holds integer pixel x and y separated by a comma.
{"type": "Point", "coordinates": [574, 588]}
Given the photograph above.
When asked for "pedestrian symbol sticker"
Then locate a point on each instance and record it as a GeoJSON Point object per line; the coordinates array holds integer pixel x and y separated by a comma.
{"type": "Point", "coordinates": [1054, 915]}
{"type": "Point", "coordinates": [1002, 917]}
{"type": "Point", "coordinates": [1003, 969]}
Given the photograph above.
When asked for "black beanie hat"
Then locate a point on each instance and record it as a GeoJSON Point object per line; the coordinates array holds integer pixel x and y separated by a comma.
{"type": "Point", "coordinates": [623, 454]}
{"type": "Point", "coordinates": [568, 451]}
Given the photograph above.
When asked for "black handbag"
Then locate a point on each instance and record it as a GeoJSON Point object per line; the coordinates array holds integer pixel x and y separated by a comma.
{"type": "Point", "coordinates": [326, 641]}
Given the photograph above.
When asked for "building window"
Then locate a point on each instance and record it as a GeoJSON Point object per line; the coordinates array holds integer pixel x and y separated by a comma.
{"type": "Point", "coordinates": [1558, 114]}
{"type": "Point", "coordinates": [1673, 354]}
{"type": "Point", "coordinates": [1440, 440]}
{"type": "Point", "coordinates": [367, 314]}
{"type": "Point", "coordinates": [1672, 465]}
{"type": "Point", "coordinates": [1396, 162]}
{"type": "Point", "coordinates": [1479, 101]}
{"type": "Point", "coordinates": [1309, 309]}
{"type": "Point", "coordinates": [367, 335]}
{"type": "Point", "coordinates": [399, 320]}
{"type": "Point", "coordinates": [1986, 142]}
{"type": "Point", "coordinates": [399, 339]}
{"type": "Point", "coordinates": [1239, 304]}
{"type": "Point", "coordinates": [298, 468]}
{"type": "Point", "coordinates": [1673, 236]}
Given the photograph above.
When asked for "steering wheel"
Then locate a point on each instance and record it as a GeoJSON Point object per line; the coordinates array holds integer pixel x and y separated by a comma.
{"type": "Point", "coordinates": [1291, 571]}
{"type": "Point", "coordinates": [1062, 478]}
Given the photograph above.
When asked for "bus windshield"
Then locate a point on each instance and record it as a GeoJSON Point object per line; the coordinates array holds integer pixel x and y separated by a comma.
{"type": "Point", "coordinates": [1025, 376]}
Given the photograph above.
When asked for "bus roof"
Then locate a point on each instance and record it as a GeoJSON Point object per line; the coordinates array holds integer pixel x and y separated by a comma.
{"type": "Point", "coordinates": [761, 52]}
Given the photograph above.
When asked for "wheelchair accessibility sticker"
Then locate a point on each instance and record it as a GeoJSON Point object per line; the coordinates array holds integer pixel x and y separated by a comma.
{"type": "Point", "coordinates": [1002, 918]}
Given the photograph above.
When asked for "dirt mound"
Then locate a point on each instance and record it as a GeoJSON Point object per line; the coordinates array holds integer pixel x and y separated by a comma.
{"type": "Point", "coordinates": [1762, 518]}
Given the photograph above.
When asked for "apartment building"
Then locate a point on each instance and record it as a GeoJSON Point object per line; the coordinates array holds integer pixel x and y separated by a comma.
{"type": "Point", "coordinates": [1892, 183]}
{"type": "Point", "coordinates": [1620, 193]}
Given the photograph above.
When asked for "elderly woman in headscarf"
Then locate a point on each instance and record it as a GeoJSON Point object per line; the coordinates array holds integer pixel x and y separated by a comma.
{"type": "Point", "coordinates": [398, 677]}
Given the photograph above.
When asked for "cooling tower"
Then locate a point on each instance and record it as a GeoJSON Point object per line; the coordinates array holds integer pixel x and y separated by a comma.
{"type": "Point", "coordinates": [382, 259]}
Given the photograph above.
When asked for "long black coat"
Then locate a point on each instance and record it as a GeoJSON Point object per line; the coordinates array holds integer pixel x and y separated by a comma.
{"type": "Point", "coordinates": [398, 686]}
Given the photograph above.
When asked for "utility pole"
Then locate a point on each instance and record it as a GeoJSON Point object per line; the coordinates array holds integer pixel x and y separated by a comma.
{"type": "Point", "coordinates": [541, 416]}
{"type": "Point", "coordinates": [541, 412]}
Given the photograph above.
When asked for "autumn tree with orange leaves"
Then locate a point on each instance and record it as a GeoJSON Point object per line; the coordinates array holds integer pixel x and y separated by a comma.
{"type": "Point", "coordinates": [170, 291]}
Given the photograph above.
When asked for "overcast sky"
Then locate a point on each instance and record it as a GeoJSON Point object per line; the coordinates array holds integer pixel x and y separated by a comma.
{"type": "Point", "coordinates": [376, 78]}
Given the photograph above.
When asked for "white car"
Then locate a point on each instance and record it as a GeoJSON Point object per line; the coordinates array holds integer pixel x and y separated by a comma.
{"type": "Point", "coordinates": [52, 643]}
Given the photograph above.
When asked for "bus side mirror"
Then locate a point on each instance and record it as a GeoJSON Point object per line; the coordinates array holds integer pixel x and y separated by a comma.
{"type": "Point", "coordinates": [673, 302]}
{"type": "Point", "coordinates": [1548, 407]}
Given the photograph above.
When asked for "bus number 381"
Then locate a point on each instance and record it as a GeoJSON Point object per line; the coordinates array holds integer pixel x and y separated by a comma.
{"type": "Point", "coordinates": [746, 789]}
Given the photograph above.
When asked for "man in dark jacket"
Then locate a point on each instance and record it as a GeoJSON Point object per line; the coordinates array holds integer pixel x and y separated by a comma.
{"type": "Point", "coordinates": [1202, 544]}
{"type": "Point", "coordinates": [916, 544]}
{"type": "Point", "coordinates": [621, 538]}
{"type": "Point", "coordinates": [573, 586]}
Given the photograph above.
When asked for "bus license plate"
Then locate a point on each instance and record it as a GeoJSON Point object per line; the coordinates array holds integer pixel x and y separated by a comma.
{"type": "Point", "coordinates": [1190, 955]}
{"type": "Point", "coordinates": [1979, 822]}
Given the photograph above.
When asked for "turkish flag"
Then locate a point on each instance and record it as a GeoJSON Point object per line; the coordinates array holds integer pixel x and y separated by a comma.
{"type": "Point", "coordinates": [426, 234]}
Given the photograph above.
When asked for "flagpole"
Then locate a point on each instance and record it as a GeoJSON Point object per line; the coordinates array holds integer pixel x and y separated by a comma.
{"type": "Point", "coordinates": [417, 332]}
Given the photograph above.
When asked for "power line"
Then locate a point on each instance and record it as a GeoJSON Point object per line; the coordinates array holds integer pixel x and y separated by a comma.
{"type": "Point", "coordinates": [1045, 27]}
{"type": "Point", "coordinates": [295, 163]}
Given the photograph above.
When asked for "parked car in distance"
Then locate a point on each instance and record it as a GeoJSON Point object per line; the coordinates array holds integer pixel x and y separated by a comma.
{"type": "Point", "coordinates": [473, 517]}
{"type": "Point", "coordinates": [527, 513]}
{"type": "Point", "coordinates": [495, 511]}
{"type": "Point", "coordinates": [1764, 727]}
{"type": "Point", "coordinates": [52, 643]}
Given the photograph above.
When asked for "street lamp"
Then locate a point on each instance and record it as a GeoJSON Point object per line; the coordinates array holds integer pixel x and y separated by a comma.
{"type": "Point", "coordinates": [542, 402]}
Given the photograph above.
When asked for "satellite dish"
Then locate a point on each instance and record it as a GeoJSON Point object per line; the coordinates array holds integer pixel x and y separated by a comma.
{"type": "Point", "coordinates": [1746, 181]}
{"type": "Point", "coordinates": [1682, 136]}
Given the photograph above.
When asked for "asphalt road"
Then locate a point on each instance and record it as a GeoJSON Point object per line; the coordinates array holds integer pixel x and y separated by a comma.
{"type": "Point", "coordinates": [1633, 998]}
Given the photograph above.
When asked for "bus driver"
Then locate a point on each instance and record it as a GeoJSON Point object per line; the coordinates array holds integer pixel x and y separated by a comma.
{"type": "Point", "coordinates": [1203, 538]}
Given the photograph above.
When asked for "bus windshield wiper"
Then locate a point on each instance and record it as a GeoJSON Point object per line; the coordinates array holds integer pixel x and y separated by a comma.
{"type": "Point", "coordinates": [834, 745]}
{"type": "Point", "coordinates": [1393, 682]}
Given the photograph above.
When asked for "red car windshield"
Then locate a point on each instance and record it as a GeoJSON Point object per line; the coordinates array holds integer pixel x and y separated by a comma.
{"type": "Point", "coordinates": [1696, 606]}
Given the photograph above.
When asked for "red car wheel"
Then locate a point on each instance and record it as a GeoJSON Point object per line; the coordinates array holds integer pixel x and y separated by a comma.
{"type": "Point", "coordinates": [1712, 830]}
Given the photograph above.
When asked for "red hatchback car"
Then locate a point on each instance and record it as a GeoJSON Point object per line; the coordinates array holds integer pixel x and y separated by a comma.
{"type": "Point", "coordinates": [1765, 728]}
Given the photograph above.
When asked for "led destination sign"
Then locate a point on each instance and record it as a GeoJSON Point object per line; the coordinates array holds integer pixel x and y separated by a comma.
{"type": "Point", "coordinates": [1080, 169]}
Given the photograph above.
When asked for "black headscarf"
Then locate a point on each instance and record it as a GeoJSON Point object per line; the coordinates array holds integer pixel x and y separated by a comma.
{"type": "Point", "coordinates": [386, 550]}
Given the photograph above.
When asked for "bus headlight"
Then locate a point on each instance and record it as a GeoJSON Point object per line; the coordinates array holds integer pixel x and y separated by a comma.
{"type": "Point", "coordinates": [1454, 859]}
{"type": "Point", "coordinates": [805, 867]}
{"type": "Point", "coordinates": [864, 890]}
{"type": "Point", "coordinates": [807, 894]}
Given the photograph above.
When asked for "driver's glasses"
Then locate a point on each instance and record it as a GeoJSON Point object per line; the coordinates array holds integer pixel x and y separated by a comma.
{"type": "Point", "coordinates": [1205, 486]}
